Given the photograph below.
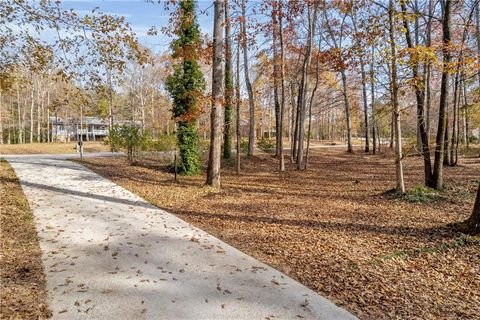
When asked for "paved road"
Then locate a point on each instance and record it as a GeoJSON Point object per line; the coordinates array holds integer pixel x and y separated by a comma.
{"type": "Point", "coordinates": [61, 156]}
{"type": "Point", "coordinates": [108, 254]}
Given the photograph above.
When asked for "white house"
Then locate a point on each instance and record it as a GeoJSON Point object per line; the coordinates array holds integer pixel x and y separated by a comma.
{"type": "Point", "coordinates": [88, 128]}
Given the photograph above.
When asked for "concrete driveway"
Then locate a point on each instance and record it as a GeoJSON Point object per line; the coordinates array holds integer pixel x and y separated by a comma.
{"type": "Point", "coordinates": [109, 254]}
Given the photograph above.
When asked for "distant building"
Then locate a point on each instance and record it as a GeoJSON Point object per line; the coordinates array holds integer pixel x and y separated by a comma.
{"type": "Point", "coordinates": [88, 128]}
{"type": "Point", "coordinates": [476, 133]}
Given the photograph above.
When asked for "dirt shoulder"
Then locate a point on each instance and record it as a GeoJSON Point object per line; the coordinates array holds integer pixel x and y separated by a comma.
{"type": "Point", "coordinates": [333, 228]}
{"type": "Point", "coordinates": [22, 290]}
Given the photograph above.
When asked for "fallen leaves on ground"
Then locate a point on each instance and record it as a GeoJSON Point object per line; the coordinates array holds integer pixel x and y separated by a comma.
{"type": "Point", "coordinates": [53, 147]}
{"type": "Point", "coordinates": [334, 229]}
{"type": "Point", "coordinates": [22, 289]}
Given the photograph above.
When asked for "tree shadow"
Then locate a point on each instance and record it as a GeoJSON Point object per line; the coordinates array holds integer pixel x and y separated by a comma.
{"type": "Point", "coordinates": [354, 228]}
{"type": "Point", "coordinates": [137, 203]}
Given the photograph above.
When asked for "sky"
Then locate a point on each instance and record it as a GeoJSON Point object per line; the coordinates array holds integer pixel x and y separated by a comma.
{"type": "Point", "coordinates": [142, 15]}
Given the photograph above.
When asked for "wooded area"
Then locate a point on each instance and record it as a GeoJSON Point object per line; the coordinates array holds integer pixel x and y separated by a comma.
{"type": "Point", "coordinates": [335, 140]}
{"type": "Point", "coordinates": [402, 75]}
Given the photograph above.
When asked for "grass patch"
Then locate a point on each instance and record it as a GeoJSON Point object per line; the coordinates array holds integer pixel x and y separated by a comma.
{"type": "Point", "coordinates": [472, 152]}
{"type": "Point", "coordinates": [22, 290]}
{"type": "Point", "coordinates": [460, 242]}
{"type": "Point", "coordinates": [422, 194]}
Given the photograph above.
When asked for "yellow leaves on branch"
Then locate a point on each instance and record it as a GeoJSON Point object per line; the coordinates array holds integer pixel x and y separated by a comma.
{"type": "Point", "coordinates": [420, 55]}
{"type": "Point", "coordinates": [417, 55]}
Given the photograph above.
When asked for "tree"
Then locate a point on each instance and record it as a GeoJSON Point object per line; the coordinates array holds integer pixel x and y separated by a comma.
{"type": "Point", "coordinates": [227, 138]}
{"type": "Point", "coordinates": [275, 75]}
{"type": "Point", "coordinates": [372, 98]}
{"type": "Point", "coordinates": [364, 79]}
{"type": "Point", "coordinates": [461, 66]}
{"type": "Point", "coordinates": [213, 170]}
{"type": "Point", "coordinates": [428, 69]}
{"type": "Point", "coordinates": [477, 35]}
{"type": "Point", "coordinates": [186, 86]}
{"type": "Point", "coordinates": [237, 107]}
{"type": "Point", "coordinates": [251, 102]}
{"type": "Point", "coordinates": [473, 222]}
{"type": "Point", "coordinates": [342, 68]}
{"type": "Point", "coordinates": [282, 82]}
{"type": "Point", "coordinates": [396, 108]}
{"type": "Point", "coordinates": [437, 179]}
{"type": "Point", "coordinates": [419, 86]}
{"type": "Point", "coordinates": [310, 104]}
{"type": "Point", "coordinates": [302, 91]}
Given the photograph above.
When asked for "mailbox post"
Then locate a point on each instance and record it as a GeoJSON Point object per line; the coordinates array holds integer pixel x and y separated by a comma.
{"type": "Point", "coordinates": [80, 147]}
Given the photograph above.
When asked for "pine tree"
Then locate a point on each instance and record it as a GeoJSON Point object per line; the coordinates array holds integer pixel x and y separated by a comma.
{"type": "Point", "coordinates": [186, 86]}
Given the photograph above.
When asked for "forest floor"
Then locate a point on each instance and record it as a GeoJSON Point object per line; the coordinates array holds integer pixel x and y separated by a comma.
{"type": "Point", "coordinates": [52, 148]}
{"type": "Point", "coordinates": [22, 290]}
{"type": "Point", "coordinates": [335, 228]}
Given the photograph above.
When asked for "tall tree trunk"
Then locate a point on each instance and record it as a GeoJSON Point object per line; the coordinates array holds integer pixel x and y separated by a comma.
{"type": "Point", "coordinates": [437, 181]}
{"type": "Point", "coordinates": [428, 70]}
{"type": "Point", "coordinates": [465, 114]}
{"type": "Point", "coordinates": [294, 113]}
{"type": "Point", "coordinates": [227, 137]}
{"type": "Point", "coordinates": [396, 108]}
{"type": "Point", "coordinates": [428, 100]}
{"type": "Point", "coordinates": [446, 153]}
{"type": "Point", "coordinates": [282, 82]}
{"type": "Point", "coordinates": [39, 114]}
{"type": "Point", "coordinates": [364, 89]}
{"type": "Point", "coordinates": [238, 103]}
{"type": "Point", "coordinates": [365, 106]}
{"type": "Point", "coordinates": [420, 98]}
{"type": "Point", "coordinates": [294, 126]}
{"type": "Point", "coordinates": [372, 96]}
{"type": "Point", "coordinates": [14, 131]}
{"type": "Point", "coordinates": [11, 128]}
{"type": "Point", "coordinates": [347, 112]}
{"type": "Point", "coordinates": [276, 71]}
{"type": "Point", "coordinates": [302, 92]}
{"type": "Point", "coordinates": [477, 35]}
{"type": "Point", "coordinates": [453, 159]}
{"type": "Point", "coordinates": [416, 14]}
{"type": "Point", "coordinates": [473, 223]}
{"type": "Point", "coordinates": [310, 104]}
{"type": "Point", "coordinates": [32, 106]}
{"type": "Point", "coordinates": [81, 127]}
{"type": "Point", "coordinates": [251, 102]}
{"type": "Point", "coordinates": [455, 122]}
{"type": "Point", "coordinates": [379, 138]}
{"type": "Point", "coordinates": [214, 159]}
{"type": "Point", "coordinates": [48, 126]}
{"type": "Point", "coordinates": [345, 91]}
{"type": "Point", "coordinates": [110, 99]}
{"type": "Point", "coordinates": [142, 110]}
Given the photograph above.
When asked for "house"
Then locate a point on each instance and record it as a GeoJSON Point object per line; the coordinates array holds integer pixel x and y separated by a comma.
{"type": "Point", "coordinates": [86, 128]}
{"type": "Point", "coordinates": [476, 133]}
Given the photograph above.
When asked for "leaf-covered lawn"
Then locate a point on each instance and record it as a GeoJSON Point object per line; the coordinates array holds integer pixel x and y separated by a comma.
{"type": "Point", "coordinates": [54, 147]}
{"type": "Point", "coordinates": [22, 289]}
{"type": "Point", "coordinates": [335, 229]}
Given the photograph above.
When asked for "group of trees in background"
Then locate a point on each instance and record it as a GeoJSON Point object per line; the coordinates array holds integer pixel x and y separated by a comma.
{"type": "Point", "coordinates": [392, 74]}
{"type": "Point", "coordinates": [422, 43]}
{"type": "Point", "coordinates": [421, 69]}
